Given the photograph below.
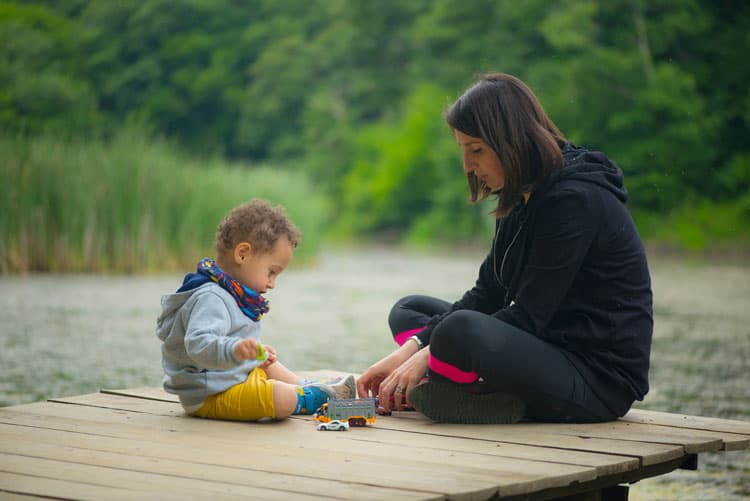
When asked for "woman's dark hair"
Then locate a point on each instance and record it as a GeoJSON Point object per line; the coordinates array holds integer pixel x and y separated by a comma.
{"type": "Point", "coordinates": [504, 112]}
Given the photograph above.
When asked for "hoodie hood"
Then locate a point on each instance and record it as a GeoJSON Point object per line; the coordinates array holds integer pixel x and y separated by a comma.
{"type": "Point", "coordinates": [591, 167]}
{"type": "Point", "coordinates": [193, 281]}
{"type": "Point", "coordinates": [171, 303]}
{"type": "Point", "coordinates": [170, 306]}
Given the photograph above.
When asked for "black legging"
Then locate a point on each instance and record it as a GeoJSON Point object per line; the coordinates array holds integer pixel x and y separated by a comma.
{"type": "Point", "coordinates": [468, 344]}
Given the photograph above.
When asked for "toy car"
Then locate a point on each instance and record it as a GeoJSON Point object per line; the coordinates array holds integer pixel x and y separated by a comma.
{"type": "Point", "coordinates": [355, 411]}
{"type": "Point", "coordinates": [334, 425]}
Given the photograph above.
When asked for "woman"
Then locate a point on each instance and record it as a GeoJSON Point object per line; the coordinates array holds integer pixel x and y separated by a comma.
{"type": "Point", "coordinates": [558, 326]}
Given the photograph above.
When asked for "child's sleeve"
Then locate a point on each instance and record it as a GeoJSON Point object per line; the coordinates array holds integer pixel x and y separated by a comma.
{"type": "Point", "coordinates": [206, 340]}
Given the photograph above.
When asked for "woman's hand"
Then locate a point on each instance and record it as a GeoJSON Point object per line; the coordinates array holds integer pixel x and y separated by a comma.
{"type": "Point", "coordinates": [405, 376]}
{"type": "Point", "coordinates": [368, 384]}
{"type": "Point", "coordinates": [406, 366]}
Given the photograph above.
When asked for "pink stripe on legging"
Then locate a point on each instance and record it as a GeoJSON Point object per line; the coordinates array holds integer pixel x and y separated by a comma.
{"type": "Point", "coordinates": [401, 337]}
{"type": "Point", "coordinates": [451, 372]}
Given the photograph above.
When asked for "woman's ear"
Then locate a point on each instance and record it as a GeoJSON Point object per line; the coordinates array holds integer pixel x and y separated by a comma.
{"type": "Point", "coordinates": [242, 251]}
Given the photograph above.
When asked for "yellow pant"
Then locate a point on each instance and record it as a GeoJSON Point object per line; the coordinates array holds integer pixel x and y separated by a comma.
{"type": "Point", "coordinates": [248, 401]}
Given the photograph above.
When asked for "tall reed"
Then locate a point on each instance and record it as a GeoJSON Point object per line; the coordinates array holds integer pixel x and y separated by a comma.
{"type": "Point", "coordinates": [129, 204]}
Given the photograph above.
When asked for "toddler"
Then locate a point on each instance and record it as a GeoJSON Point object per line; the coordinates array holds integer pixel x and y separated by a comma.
{"type": "Point", "coordinates": [212, 354]}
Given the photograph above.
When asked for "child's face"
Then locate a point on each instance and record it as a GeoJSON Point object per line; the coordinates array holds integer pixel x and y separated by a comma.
{"type": "Point", "coordinates": [258, 270]}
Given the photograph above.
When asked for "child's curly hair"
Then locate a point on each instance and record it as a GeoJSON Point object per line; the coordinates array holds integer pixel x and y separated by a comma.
{"type": "Point", "coordinates": [257, 222]}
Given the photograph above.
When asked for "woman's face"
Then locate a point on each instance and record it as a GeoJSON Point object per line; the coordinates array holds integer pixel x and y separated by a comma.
{"type": "Point", "coordinates": [481, 160]}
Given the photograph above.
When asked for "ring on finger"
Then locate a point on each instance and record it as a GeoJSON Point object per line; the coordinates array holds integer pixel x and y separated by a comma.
{"type": "Point", "coordinates": [399, 389]}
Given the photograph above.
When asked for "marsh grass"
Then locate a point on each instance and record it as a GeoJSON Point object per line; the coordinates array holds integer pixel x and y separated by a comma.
{"type": "Point", "coordinates": [700, 228]}
{"type": "Point", "coordinates": [129, 204]}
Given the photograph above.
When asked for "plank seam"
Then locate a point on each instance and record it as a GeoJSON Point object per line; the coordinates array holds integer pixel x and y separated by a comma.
{"type": "Point", "coordinates": [130, 395]}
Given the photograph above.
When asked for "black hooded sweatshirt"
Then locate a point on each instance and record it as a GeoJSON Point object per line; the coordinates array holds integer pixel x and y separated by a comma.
{"type": "Point", "coordinates": [570, 268]}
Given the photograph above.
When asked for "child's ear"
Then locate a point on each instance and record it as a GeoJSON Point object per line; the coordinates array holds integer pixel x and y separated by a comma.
{"type": "Point", "coordinates": [243, 251]}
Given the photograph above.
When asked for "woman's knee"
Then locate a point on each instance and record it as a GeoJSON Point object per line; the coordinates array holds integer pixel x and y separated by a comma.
{"type": "Point", "coordinates": [472, 339]}
{"type": "Point", "coordinates": [403, 305]}
{"type": "Point", "coordinates": [411, 313]}
{"type": "Point", "coordinates": [454, 339]}
{"type": "Point", "coordinates": [452, 354]}
{"type": "Point", "coordinates": [456, 330]}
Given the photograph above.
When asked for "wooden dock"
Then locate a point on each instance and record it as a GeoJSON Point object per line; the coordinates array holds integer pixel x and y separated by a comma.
{"type": "Point", "coordinates": [138, 444]}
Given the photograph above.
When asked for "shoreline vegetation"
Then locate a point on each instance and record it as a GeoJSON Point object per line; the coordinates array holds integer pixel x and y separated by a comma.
{"type": "Point", "coordinates": [132, 205]}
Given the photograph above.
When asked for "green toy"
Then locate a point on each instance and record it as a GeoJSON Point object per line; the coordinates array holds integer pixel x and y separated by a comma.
{"type": "Point", "coordinates": [261, 352]}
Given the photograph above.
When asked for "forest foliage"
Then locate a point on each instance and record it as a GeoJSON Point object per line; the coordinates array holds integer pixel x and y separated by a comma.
{"type": "Point", "coordinates": [349, 94]}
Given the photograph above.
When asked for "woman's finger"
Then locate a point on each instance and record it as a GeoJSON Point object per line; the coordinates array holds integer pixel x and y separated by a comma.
{"type": "Point", "coordinates": [399, 396]}
{"type": "Point", "coordinates": [384, 394]}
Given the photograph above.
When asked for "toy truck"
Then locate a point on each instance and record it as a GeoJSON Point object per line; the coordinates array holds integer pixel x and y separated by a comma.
{"type": "Point", "coordinates": [356, 411]}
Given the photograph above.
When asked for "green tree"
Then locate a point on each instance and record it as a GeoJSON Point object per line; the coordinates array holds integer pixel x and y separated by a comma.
{"type": "Point", "coordinates": [407, 177]}
{"type": "Point", "coordinates": [180, 66]}
{"type": "Point", "coordinates": [337, 61]}
{"type": "Point", "coordinates": [327, 87]}
{"type": "Point", "coordinates": [612, 87]}
{"type": "Point", "coordinates": [41, 89]}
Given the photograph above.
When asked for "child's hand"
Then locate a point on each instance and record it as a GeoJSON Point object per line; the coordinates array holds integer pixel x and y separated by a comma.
{"type": "Point", "coordinates": [246, 349]}
{"type": "Point", "coordinates": [271, 354]}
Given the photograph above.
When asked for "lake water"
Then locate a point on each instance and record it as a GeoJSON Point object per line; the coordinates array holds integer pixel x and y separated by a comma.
{"type": "Point", "coordinates": [69, 335]}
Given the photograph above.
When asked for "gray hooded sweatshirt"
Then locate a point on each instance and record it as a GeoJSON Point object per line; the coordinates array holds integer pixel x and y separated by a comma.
{"type": "Point", "coordinates": [200, 328]}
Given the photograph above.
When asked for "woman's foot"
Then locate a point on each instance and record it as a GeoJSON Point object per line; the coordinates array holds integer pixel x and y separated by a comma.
{"type": "Point", "coordinates": [453, 403]}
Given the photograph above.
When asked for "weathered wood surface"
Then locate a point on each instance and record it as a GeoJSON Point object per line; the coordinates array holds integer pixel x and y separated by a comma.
{"type": "Point", "coordinates": [137, 443]}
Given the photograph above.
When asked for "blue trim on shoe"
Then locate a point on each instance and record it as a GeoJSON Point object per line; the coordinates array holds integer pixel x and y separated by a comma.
{"type": "Point", "coordinates": [315, 396]}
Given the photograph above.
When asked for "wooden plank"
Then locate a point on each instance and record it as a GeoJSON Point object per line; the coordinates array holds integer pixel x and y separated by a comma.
{"type": "Point", "coordinates": [605, 464]}
{"type": "Point", "coordinates": [470, 473]}
{"type": "Point", "coordinates": [147, 392]}
{"type": "Point", "coordinates": [684, 421]}
{"type": "Point", "coordinates": [694, 442]}
{"type": "Point", "coordinates": [303, 461]}
{"type": "Point", "coordinates": [174, 487]}
{"type": "Point", "coordinates": [147, 456]}
{"type": "Point", "coordinates": [703, 442]}
{"type": "Point", "coordinates": [729, 441]}
{"type": "Point", "coordinates": [124, 403]}
{"type": "Point", "coordinates": [47, 488]}
{"type": "Point", "coordinates": [12, 496]}
{"type": "Point", "coordinates": [621, 463]}
{"type": "Point", "coordinates": [513, 470]}
{"type": "Point", "coordinates": [649, 453]}
{"type": "Point", "coordinates": [222, 464]}
{"type": "Point", "coordinates": [734, 434]}
{"type": "Point", "coordinates": [149, 429]}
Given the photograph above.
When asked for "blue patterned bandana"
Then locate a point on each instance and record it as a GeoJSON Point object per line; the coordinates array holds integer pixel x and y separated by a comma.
{"type": "Point", "coordinates": [250, 302]}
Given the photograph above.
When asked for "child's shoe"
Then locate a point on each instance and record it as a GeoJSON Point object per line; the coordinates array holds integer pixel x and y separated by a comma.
{"type": "Point", "coordinates": [452, 403]}
{"type": "Point", "coordinates": [310, 398]}
{"type": "Point", "coordinates": [339, 388]}
{"type": "Point", "coordinates": [345, 388]}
